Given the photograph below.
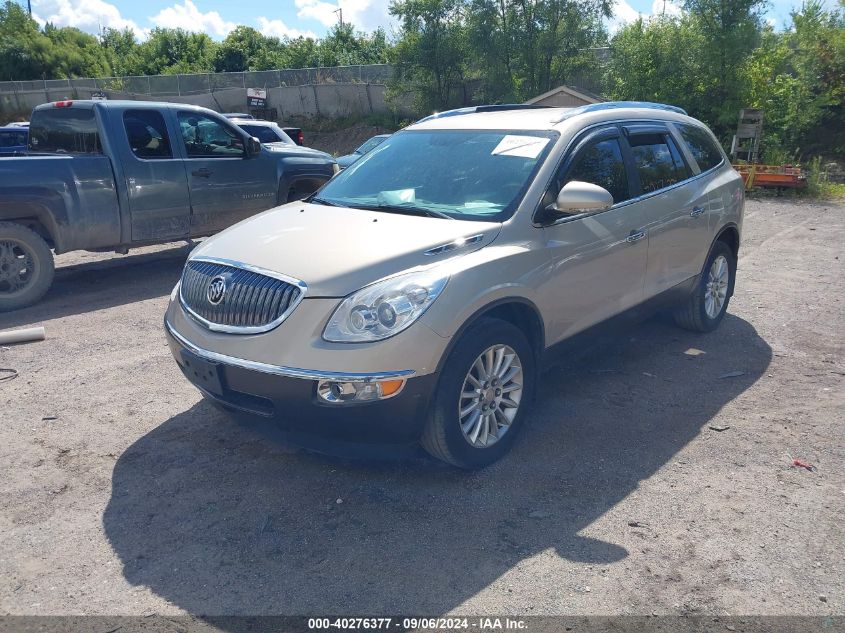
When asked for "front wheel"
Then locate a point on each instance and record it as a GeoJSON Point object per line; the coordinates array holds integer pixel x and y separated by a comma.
{"type": "Point", "coordinates": [707, 304]}
{"type": "Point", "coordinates": [482, 396]}
{"type": "Point", "coordinates": [26, 266]}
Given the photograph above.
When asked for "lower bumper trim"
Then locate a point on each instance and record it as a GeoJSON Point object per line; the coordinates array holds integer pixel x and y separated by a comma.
{"type": "Point", "coordinates": [281, 370]}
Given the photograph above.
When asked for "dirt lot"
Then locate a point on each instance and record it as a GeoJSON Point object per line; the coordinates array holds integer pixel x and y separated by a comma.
{"type": "Point", "coordinates": [123, 493]}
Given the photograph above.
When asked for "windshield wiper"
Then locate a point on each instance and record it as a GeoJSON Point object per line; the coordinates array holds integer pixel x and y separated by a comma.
{"type": "Point", "coordinates": [323, 201]}
{"type": "Point", "coordinates": [409, 209]}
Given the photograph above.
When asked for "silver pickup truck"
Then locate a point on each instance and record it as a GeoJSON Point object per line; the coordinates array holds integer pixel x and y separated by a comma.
{"type": "Point", "coordinates": [112, 175]}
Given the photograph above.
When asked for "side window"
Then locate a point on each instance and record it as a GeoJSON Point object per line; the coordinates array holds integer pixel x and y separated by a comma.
{"type": "Point", "coordinates": [601, 164]}
{"type": "Point", "coordinates": [701, 145]}
{"type": "Point", "coordinates": [205, 137]}
{"type": "Point", "coordinates": [657, 161]}
{"type": "Point", "coordinates": [147, 134]}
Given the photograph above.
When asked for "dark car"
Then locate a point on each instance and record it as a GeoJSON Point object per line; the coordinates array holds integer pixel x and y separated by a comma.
{"type": "Point", "coordinates": [369, 145]}
{"type": "Point", "coordinates": [13, 140]}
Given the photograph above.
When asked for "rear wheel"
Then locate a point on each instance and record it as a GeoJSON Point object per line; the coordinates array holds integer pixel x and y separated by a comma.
{"type": "Point", "coordinates": [707, 304]}
{"type": "Point", "coordinates": [482, 397]}
{"type": "Point", "coordinates": [26, 266]}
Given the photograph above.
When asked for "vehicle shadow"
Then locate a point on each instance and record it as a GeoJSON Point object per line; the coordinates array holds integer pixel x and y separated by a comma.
{"type": "Point", "coordinates": [89, 286]}
{"type": "Point", "coordinates": [216, 519]}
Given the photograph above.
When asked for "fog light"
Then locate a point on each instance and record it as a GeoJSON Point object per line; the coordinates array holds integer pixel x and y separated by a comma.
{"type": "Point", "coordinates": [340, 392]}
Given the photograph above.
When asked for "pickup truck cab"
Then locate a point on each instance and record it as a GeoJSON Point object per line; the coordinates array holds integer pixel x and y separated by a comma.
{"type": "Point", "coordinates": [112, 175]}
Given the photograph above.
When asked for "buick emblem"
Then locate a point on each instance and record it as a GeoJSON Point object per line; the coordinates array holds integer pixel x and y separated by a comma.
{"type": "Point", "coordinates": [216, 290]}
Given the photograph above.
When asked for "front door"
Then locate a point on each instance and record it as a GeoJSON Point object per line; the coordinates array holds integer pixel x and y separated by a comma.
{"type": "Point", "coordinates": [596, 262]}
{"type": "Point", "coordinates": [159, 204]}
{"type": "Point", "coordinates": [226, 186]}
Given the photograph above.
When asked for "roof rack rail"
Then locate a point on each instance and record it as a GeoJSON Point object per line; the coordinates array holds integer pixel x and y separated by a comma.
{"type": "Point", "coordinates": [499, 107]}
{"type": "Point", "coordinates": [614, 105]}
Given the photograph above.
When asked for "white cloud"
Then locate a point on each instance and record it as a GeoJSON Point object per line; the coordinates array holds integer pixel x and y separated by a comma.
{"type": "Point", "coordinates": [366, 15]}
{"type": "Point", "coordinates": [187, 16]}
{"type": "Point", "coordinates": [668, 7]}
{"type": "Point", "coordinates": [622, 14]}
{"type": "Point", "coordinates": [277, 28]}
{"type": "Point", "coordinates": [86, 15]}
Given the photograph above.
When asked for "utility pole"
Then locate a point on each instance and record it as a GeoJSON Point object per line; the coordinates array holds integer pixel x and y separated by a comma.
{"type": "Point", "coordinates": [339, 11]}
{"type": "Point", "coordinates": [29, 7]}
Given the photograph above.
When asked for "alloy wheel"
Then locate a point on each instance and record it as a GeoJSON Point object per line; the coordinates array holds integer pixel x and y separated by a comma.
{"type": "Point", "coordinates": [716, 289]}
{"type": "Point", "coordinates": [490, 396]}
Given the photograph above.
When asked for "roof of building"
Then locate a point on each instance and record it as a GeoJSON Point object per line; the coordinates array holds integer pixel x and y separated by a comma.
{"type": "Point", "coordinates": [580, 93]}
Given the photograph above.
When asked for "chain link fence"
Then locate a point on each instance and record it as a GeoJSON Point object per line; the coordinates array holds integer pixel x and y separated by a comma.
{"type": "Point", "coordinates": [179, 85]}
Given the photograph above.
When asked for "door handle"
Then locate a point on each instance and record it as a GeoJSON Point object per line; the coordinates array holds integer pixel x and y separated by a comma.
{"type": "Point", "coordinates": [635, 237]}
{"type": "Point", "coordinates": [696, 211]}
{"type": "Point", "coordinates": [202, 173]}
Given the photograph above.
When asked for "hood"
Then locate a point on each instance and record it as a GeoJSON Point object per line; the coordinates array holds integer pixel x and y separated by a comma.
{"type": "Point", "coordinates": [336, 250]}
{"type": "Point", "coordinates": [291, 149]}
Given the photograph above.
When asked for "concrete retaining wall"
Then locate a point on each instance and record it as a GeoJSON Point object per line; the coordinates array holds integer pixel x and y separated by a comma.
{"type": "Point", "coordinates": [327, 100]}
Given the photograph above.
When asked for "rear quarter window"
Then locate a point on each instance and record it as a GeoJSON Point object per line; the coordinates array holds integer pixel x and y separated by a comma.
{"type": "Point", "coordinates": [64, 131]}
{"type": "Point", "coordinates": [701, 145]}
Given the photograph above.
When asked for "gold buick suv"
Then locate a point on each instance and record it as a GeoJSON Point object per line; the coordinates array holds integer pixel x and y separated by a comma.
{"type": "Point", "coordinates": [414, 297]}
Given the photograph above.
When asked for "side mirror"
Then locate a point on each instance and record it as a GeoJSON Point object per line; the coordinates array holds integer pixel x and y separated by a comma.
{"type": "Point", "coordinates": [581, 197]}
{"type": "Point", "coordinates": [253, 146]}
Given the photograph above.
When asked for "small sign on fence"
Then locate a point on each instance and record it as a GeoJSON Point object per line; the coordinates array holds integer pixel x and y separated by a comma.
{"type": "Point", "coordinates": [256, 97]}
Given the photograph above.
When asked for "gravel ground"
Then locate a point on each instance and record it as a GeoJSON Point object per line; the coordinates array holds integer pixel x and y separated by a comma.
{"type": "Point", "coordinates": [652, 478]}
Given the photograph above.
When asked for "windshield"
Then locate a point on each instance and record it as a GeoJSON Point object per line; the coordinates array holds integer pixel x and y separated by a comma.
{"type": "Point", "coordinates": [371, 144]}
{"type": "Point", "coordinates": [465, 174]}
{"type": "Point", "coordinates": [266, 133]}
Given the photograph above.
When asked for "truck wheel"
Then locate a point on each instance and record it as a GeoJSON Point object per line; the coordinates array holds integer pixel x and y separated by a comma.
{"type": "Point", "coordinates": [484, 391]}
{"type": "Point", "coordinates": [26, 266]}
{"type": "Point", "coordinates": [707, 304]}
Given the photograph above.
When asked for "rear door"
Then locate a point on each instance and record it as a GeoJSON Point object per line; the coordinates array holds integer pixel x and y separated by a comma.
{"type": "Point", "coordinates": [596, 262]}
{"type": "Point", "coordinates": [674, 210]}
{"type": "Point", "coordinates": [159, 202]}
{"type": "Point", "coordinates": [225, 185]}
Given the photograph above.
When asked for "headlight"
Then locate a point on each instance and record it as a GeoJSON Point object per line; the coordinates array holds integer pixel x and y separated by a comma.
{"type": "Point", "coordinates": [385, 308]}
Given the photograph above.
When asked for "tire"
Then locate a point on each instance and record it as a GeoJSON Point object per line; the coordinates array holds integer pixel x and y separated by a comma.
{"type": "Point", "coordinates": [443, 436]}
{"type": "Point", "coordinates": [702, 312]}
{"type": "Point", "coordinates": [18, 243]}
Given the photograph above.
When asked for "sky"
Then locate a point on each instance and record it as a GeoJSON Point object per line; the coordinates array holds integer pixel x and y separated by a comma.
{"type": "Point", "coordinates": [283, 18]}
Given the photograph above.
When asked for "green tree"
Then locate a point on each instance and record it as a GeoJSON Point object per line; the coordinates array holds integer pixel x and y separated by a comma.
{"type": "Point", "coordinates": [120, 47]}
{"type": "Point", "coordinates": [797, 77]}
{"type": "Point", "coordinates": [660, 60]}
{"type": "Point", "coordinates": [76, 54]}
{"type": "Point", "coordinates": [431, 52]}
{"type": "Point", "coordinates": [25, 52]}
{"type": "Point", "coordinates": [731, 30]}
{"type": "Point", "coordinates": [241, 50]}
{"type": "Point", "coordinates": [172, 51]}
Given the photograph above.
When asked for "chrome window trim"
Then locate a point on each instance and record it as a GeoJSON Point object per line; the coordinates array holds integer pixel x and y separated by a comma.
{"type": "Point", "coordinates": [252, 329]}
{"type": "Point", "coordinates": [281, 370]}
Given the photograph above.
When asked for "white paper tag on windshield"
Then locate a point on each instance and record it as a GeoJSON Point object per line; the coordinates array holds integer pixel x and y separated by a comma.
{"type": "Point", "coordinates": [524, 146]}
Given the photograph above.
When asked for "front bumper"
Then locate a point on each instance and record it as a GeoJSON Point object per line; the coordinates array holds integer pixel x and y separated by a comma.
{"type": "Point", "coordinates": [288, 396]}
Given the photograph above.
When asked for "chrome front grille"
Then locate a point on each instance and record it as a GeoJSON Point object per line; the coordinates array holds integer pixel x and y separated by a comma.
{"type": "Point", "coordinates": [228, 296]}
